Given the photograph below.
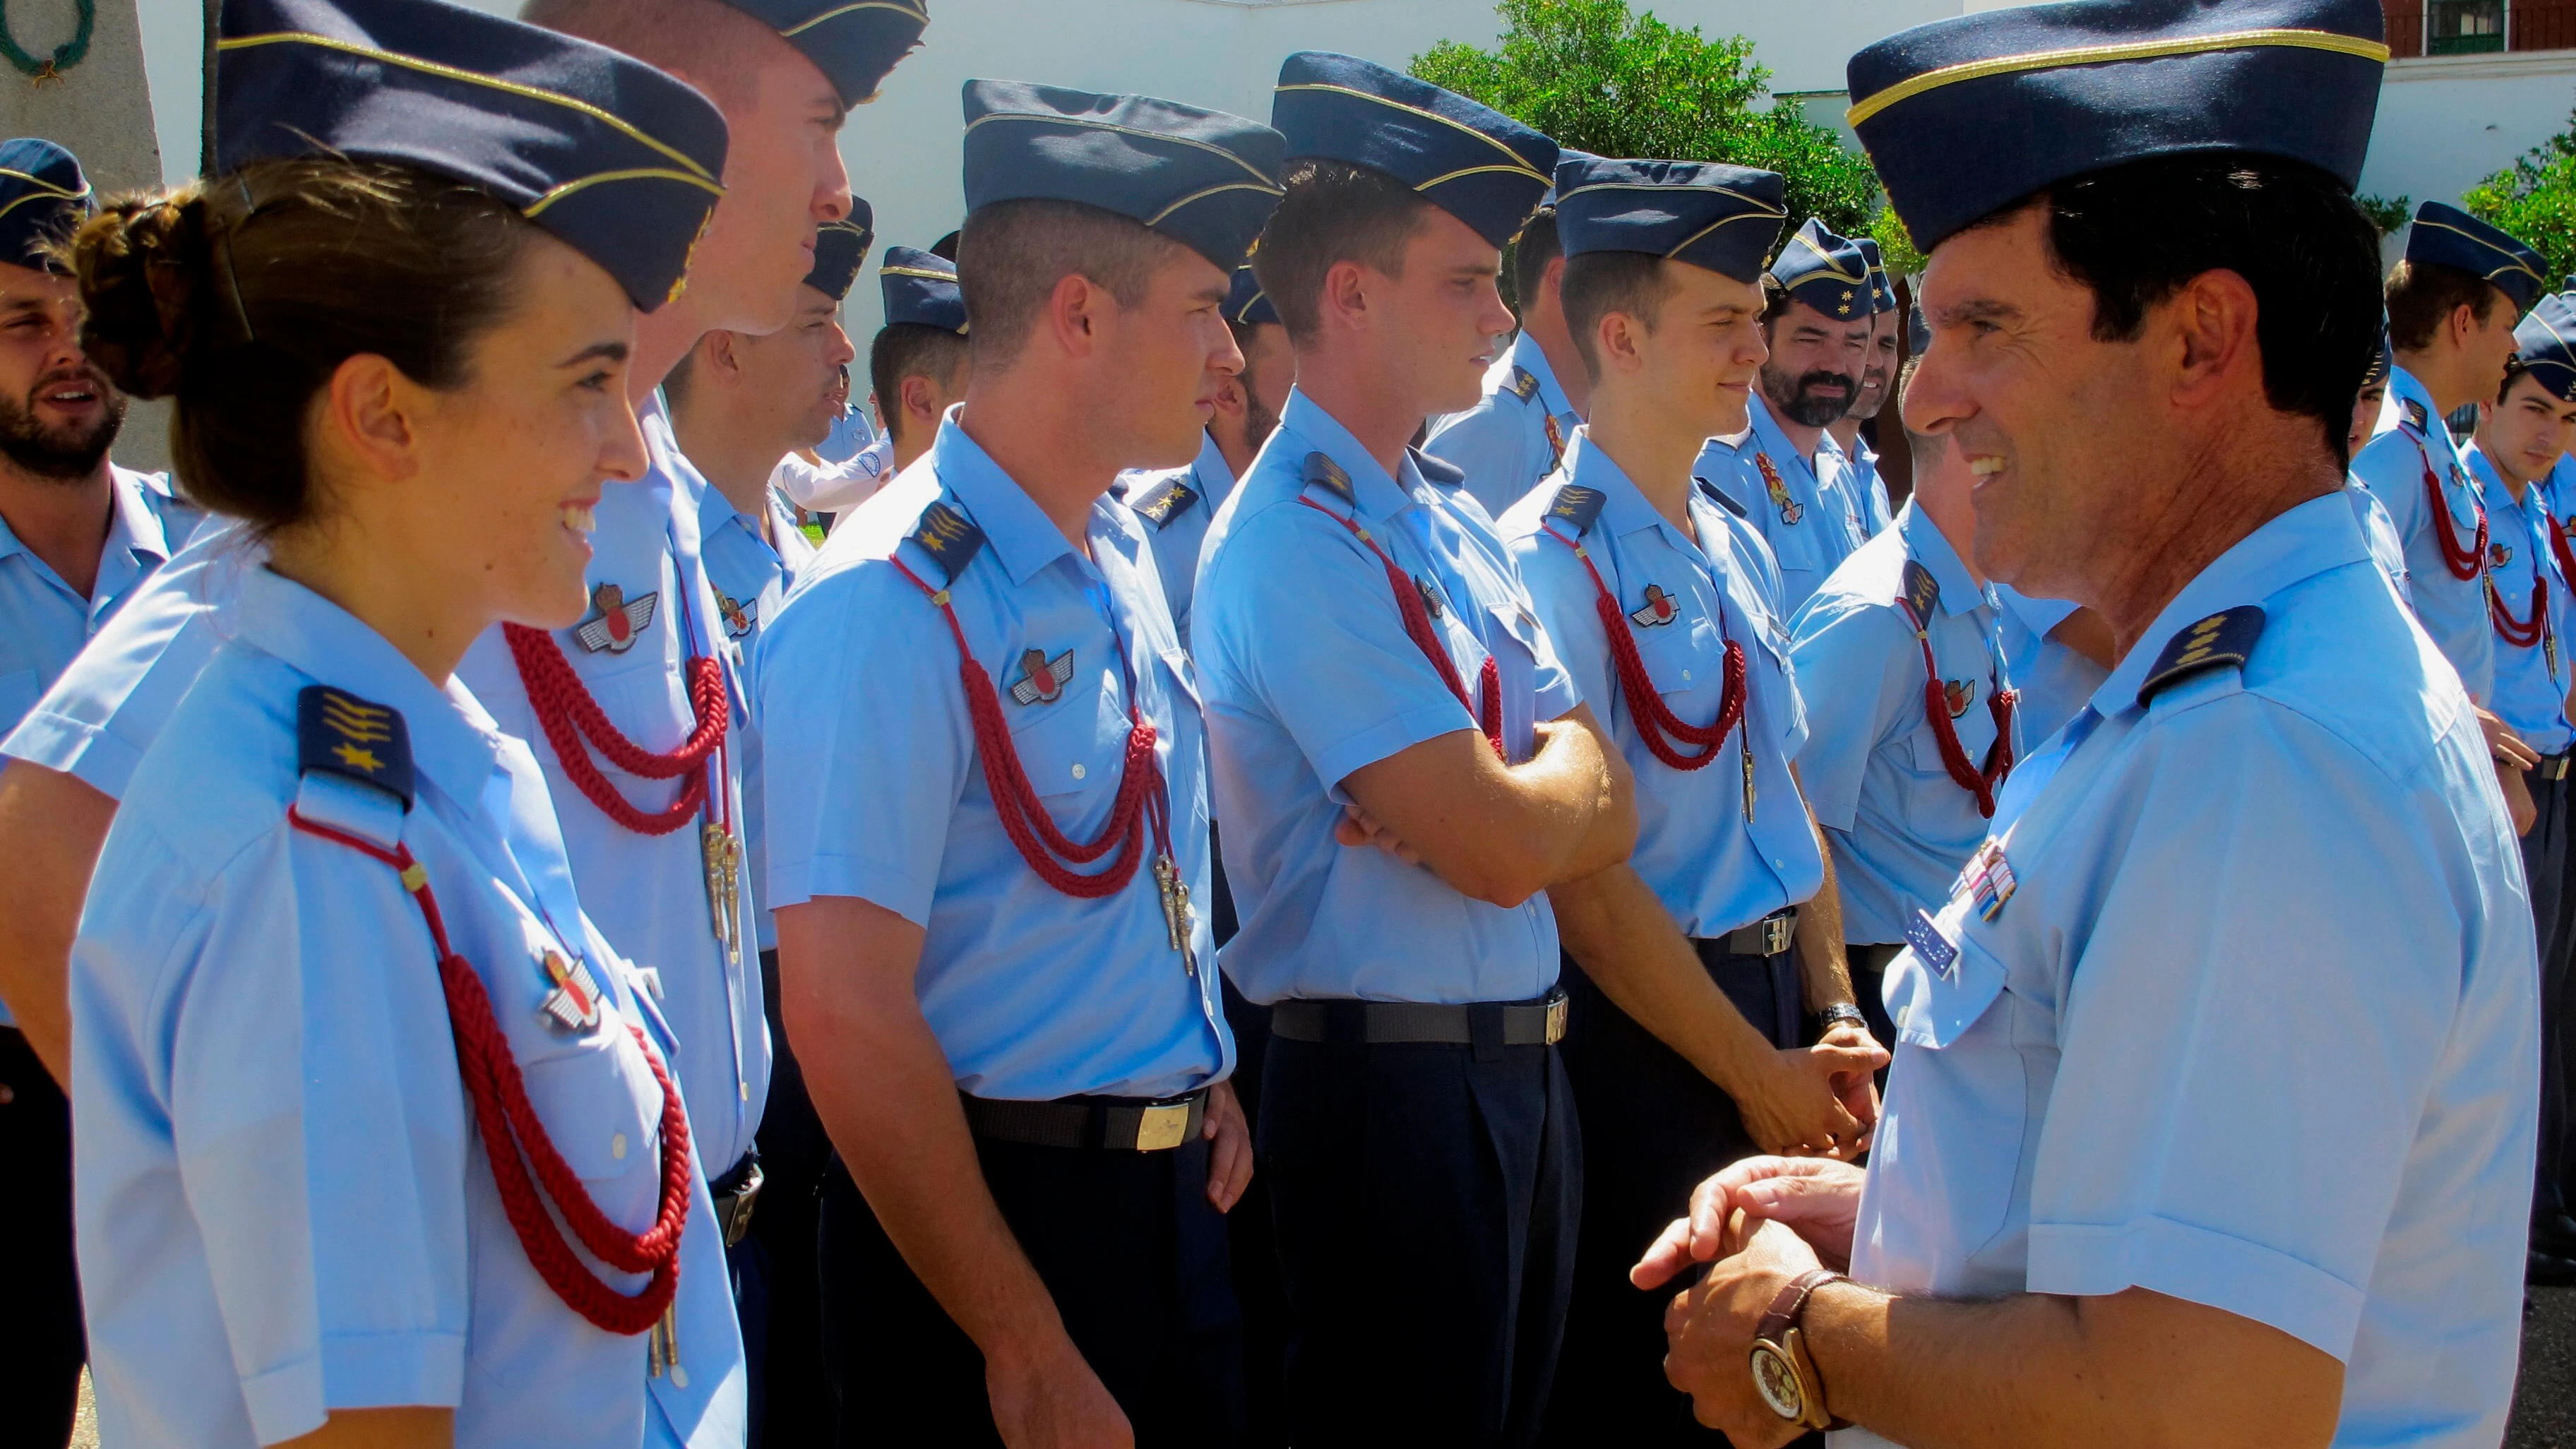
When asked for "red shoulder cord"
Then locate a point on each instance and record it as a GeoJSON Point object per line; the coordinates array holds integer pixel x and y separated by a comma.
{"type": "Point", "coordinates": [1954, 756]}
{"type": "Point", "coordinates": [2462, 565]}
{"type": "Point", "coordinates": [510, 1127]}
{"type": "Point", "coordinates": [1487, 707]}
{"type": "Point", "coordinates": [1024, 818]}
{"type": "Point", "coordinates": [2558, 549]}
{"type": "Point", "coordinates": [573, 722]}
{"type": "Point", "coordinates": [1657, 725]}
{"type": "Point", "coordinates": [2521, 633]}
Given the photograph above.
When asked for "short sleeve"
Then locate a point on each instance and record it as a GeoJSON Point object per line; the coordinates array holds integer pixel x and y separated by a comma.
{"type": "Point", "coordinates": [97, 719]}
{"type": "Point", "coordinates": [1327, 656]}
{"type": "Point", "coordinates": [1562, 598]}
{"type": "Point", "coordinates": [1850, 668]}
{"type": "Point", "coordinates": [2221, 1130]}
{"type": "Point", "coordinates": [2391, 466]}
{"type": "Point", "coordinates": [866, 743]}
{"type": "Point", "coordinates": [1485, 443]}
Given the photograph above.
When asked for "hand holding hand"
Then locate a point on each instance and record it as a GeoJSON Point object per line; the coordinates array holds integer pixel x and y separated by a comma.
{"type": "Point", "coordinates": [1709, 1329]}
{"type": "Point", "coordinates": [1801, 1101]}
{"type": "Point", "coordinates": [1817, 1197]}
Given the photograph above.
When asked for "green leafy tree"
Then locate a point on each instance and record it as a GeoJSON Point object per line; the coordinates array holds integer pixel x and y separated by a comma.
{"type": "Point", "coordinates": [2535, 199]}
{"type": "Point", "coordinates": [1599, 77]}
{"type": "Point", "coordinates": [2387, 213]}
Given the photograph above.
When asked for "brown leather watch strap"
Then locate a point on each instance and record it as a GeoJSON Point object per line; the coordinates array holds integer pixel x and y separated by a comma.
{"type": "Point", "coordinates": [1791, 1302]}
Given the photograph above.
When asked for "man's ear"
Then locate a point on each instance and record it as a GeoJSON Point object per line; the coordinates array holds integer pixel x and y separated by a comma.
{"type": "Point", "coordinates": [920, 403]}
{"type": "Point", "coordinates": [720, 353]}
{"type": "Point", "coordinates": [1073, 314]}
{"type": "Point", "coordinates": [1231, 399]}
{"type": "Point", "coordinates": [1345, 294]}
{"type": "Point", "coordinates": [2213, 320]}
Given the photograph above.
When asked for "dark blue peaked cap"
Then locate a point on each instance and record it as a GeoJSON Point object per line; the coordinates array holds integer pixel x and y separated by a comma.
{"type": "Point", "coordinates": [610, 155]}
{"type": "Point", "coordinates": [2381, 367]}
{"type": "Point", "coordinates": [1718, 217]}
{"type": "Point", "coordinates": [1470, 160]}
{"type": "Point", "coordinates": [43, 199]}
{"type": "Point", "coordinates": [1203, 178]}
{"type": "Point", "coordinates": [921, 289]}
{"type": "Point", "coordinates": [1827, 272]}
{"type": "Point", "coordinates": [2546, 342]}
{"type": "Point", "coordinates": [1882, 292]}
{"type": "Point", "coordinates": [1964, 117]}
{"type": "Point", "coordinates": [840, 249]}
{"type": "Point", "coordinates": [2447, 236]}
{"type": "Point", "coordinates": [853, 44]}
{"type": "Point", "coordinates": [1246, 305]}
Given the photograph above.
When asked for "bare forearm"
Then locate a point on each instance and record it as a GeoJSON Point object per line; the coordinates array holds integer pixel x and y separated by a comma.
{"type": "Point", "coordinates": [1823, 972]}
{"type": "Point", "coordinates": [409, 1428]}
{"type": "Point", "coordinates": [2034, 1372]}
{"type": "Point", "coordinates": [1625, 940]}
{"type": "Point", "coordinates": [59, 824]}
{"type": "Point", "coordinates": [1610, 833]}
{"type": "Point", "coordinates": [888, 1099]}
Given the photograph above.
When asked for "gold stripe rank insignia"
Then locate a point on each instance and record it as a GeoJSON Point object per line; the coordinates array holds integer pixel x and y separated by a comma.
{"type": "Point", "coordinates": [337, 733]}
{"type": "Point", "coordinates": [2222, 640]}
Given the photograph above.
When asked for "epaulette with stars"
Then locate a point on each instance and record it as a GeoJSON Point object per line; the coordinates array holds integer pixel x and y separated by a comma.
{"type": "Point", "coordinates": [1323, 472]}
{"type": "Point", "coordinates": [2223, 640]}
{"type": "Point", "coordinates": [1524, 384]}
{"type": "Point", "coordinates": [1165, 501]}
{"type": "Point", "coordinates": [337, 733]}
{"type": "Point", "coordinates": [1576, 506]}
{"type": "Point", "coordinates": [1922, 593]}
{"type": "Point", "coordinates": [950, 538]}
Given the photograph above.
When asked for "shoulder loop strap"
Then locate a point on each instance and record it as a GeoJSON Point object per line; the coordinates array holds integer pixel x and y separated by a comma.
{"type": "Point", "coordinates": [1922, 596]}
{"type": "Point", "coordinates": [1439, 472]}
{"type": "Point", "coordinates": [950, 538]}
{"type": "Point", "coordinates": [2223, 640]}
{"type": "Point", "coordinates": [1577, 506]}
{"type": "Point", "coordinates": [1323, 472]}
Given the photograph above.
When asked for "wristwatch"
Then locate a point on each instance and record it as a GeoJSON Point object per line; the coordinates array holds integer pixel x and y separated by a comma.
{"type": "Point", "coordinates": [1838, 1013]}
{"type": "Point", "coordinates": [1783, 1373]}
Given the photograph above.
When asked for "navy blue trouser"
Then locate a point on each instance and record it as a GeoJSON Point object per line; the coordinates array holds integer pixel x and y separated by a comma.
{"type": "Point", "coordinates": [1426, 1201]}
{"type": "Point", "coordinates": [42, 1343]}
{"type": "Point", "coordinates": [1135, 1257]}
{"type": "Point", "coordinates": [1653, 1129]}
{"type": "Point", "coordinates": [2546, 859]}
{"type": "Point", "coordinates": [791, 1402]}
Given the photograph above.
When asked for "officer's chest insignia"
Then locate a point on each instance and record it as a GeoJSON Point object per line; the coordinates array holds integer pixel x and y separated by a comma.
{"type": "Point", "coordinates": [572, 1005]}
{"type": "Point", "coordinates": [738, 618]}
{"type": "Point", "coordinates": [1659, 608]}
{"type": "Point", "coordinates": [2414, 412]}
{"type": "Point", "coordinates": [1555, 439]}
{"type": "Point", "coordinates": [950, 538]}
{"type": "Point", "coordinates": [1577, 506]}
{"type": "Point", "coordinates": [1430, 595]}
{"type": "Point", "coordinates": [1323, 472]}
{"type": "Point", "coordinates": [1165, 501]}
{"type": "Point", "coordinates": [1718, 496]}
{"type": "Point", "coordinates": [2223, 640]}
{"type": "Point", "coordinates": [616, 621]}
{"type": "Point", "coordinates": [1042, 680]}
{"type": "Point", "coordinates": [1779, 491]}
{"type": "Point", "coordinates": [1922, 595]}
{"type": "Point", "coordinates": [1960, 693]}
{"type": "Point", "coordinates": [1989, 880]}
{"type": "Point", "coordinates": [1524, 383]}
{"type": "Point", "coordinates": [1439, 472]}
{"type": "Point", "coordinates": [337, 733]}
{"type": "Point", "coordinates": [2499, 554]}
{"type": "Point", "coordinates": [1931, 947]}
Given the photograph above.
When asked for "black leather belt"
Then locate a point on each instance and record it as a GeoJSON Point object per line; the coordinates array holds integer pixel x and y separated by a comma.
{"type": "Point", "coordinates": [735, 1193]}
{"type": "Point", "coordinates": [2554, 767]}
{"type": "Point", "coordinates": [1377, 1023]}
{"type": "Point", "coordinates": [1118, 1124]}
{"type": "Point", "coordinates": [1766, 937]}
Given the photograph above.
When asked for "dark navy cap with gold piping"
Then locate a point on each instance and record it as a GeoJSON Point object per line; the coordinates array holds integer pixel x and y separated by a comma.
{"type": "Point", "coordinates": [2449, 237]}
{"type": "Point", "coordinates": [1882, 293]}
{"type": "Point", "coordinates": [1246, 305]}
{"type": "Point", "coordinates": [853, 42]}
{"type": "Point", "coordinates": [1471, 160]}
{"type": "Point", "coordinates": [840, 249]}
{"type": "Point", "coordinates": [2546, 342]}
{"type": "Point", "coordinates": [1827, 272]}
{"type": "Point", "coordinates": [1203, 178]}
{"type": "Point", "coordinates": [613, 157]}
{"type": "Point", "coordinates": [1714, 216]}
{"type": "Point", "coordinates": [921, 290]}
{"type": "Point", "coordinates": [43, 199]}
{"type": "Point", "coordinates": [1964, 117]}
{"type": "Point", "coordinates": [2382, 366]}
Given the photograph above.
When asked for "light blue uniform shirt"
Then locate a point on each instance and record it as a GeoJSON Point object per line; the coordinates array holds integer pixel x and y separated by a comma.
{"type": "Point", "coordinates": [1308, 674]}
{"type": "Point", "coordinates": [283, 1207]}
{"type": "Point", "coordinates": [2531, 682]}
{"type": "Point", "coordinates": [1869, 491]}
{"type": "Point", "coordinates": [1812, 523]}
{"type": "Point", "coordinates": [2054, 680]}
{"type": "Point", "coordinates": [880, 793]}
{"type": "Point", "coordinates": [2392, 465]}
{"type": "Point", "coordinates": [1501, 443]}
{"type": "Point", "coordinates": [1900, 827]}
{"type": "Point", "coordinates": [1177, 505]}
{"type": "Point", "coordinates": [648, 893]}
{"type": "Point", "coordinates": [750, 563]}
{"type": "Point", "coordinates": [2259, 1025]}
{"type": "Point", "coordinates": [2380, 531]}
{"type": "Point", "coordinates": [44, 622]}
{"type": "Point", "coordinates": [851, 431]}
{"type": "Point", "coordinates": [1713, 869]}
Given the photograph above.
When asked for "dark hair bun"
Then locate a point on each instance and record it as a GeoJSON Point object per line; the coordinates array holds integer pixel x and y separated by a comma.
{"type": "Point", "coordinates": [143, 270]}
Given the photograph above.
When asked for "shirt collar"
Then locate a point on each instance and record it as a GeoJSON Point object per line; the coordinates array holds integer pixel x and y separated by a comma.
{"type": "Point", "coordinates": [2320, 534]}
{"type": "Point", "coordinates": [1924, 540]}
{"type": "Point", "coordinates": [451, 737]}
{"type": "Point", "coordinates": [1215, 478]}
{"type": "Point", "coordinates": [1017, 531]}
{"type": "Point", "coordinates": [1624, 509]}
{"type": "Point", "coordinates": [2403, 387]}
{"type": "Point", "coordinates": [1527, 353]}
{"type": "Point", "coordinates": [1374, 494]}
{"type": "Point", "coordinates": [136, 525]}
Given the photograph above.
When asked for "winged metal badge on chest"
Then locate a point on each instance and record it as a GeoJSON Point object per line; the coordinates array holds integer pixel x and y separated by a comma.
{"type": "Point", "coordinates": [1042, 680]}
{"type": "Point", "coordinates": [618, 622]}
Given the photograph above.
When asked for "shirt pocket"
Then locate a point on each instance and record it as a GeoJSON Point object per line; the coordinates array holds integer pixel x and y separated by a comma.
{"type": "Point", "coordinates": [600, 1107]}
{"type": "Point", "coordinates": [1072, 745]}
{"type": "Point", "coordinates": [1685, 656]}
{"type": "Point", "coordinates": [19, 691]}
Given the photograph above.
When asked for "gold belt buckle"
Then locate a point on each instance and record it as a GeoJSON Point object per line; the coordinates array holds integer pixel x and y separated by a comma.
{"type": "Point", "coordinates": [1775, 935]}
{"type": "Point", "coordinates": [1556, 1007]}
{"type": "Point", "coordinates": [1162, 1128]}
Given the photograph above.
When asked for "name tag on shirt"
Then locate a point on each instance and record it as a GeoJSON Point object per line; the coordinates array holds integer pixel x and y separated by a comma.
{"type": "Point", "coordinates": [1931, 947]}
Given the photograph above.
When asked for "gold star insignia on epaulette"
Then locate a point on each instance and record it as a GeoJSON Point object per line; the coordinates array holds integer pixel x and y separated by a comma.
{"type": "Point", "coordinates": [358, 759]}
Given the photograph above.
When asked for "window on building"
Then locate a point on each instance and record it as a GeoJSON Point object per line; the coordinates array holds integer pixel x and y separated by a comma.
{"type": "Point", "coordinates": [2463, 27]}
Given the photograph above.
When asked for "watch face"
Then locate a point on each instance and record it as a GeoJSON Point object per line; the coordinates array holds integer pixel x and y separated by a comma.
{"type": "Point", "coordinates": [1777, 1381]}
